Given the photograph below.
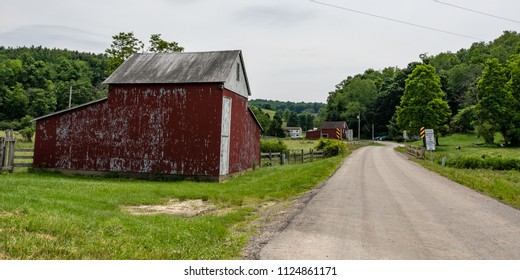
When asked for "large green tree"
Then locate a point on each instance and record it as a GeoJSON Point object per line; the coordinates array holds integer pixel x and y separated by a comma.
{"type": "Point", "coordinates": [123, 46]}
{"type": "Point", "coordinates": [275, 127]}
{"type": "Point", "coordinates": [423, 103]}
{"type": "Point", "coordinates": [158, 45]}
{"type": "Point", "coordinates": [493, 97]}
{"type": "Point", "coordinates": [513, 131]}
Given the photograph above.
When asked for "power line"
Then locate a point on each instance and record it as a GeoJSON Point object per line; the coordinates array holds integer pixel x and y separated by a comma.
{"type": "Point", "coordinates": [474, 11]}
{"type": "Point", "coordinates": [396, 20]}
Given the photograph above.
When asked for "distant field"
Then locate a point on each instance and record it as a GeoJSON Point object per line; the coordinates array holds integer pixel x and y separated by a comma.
{"type": "Point", "coordinates": [299, 144]}
{"type": "Point", "coordinates": [503, 185]}
{"type": "Point", "coordinates": [270, 112]}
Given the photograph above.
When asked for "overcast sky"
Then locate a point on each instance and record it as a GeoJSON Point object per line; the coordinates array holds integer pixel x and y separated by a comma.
{"type": "Point", "coordinates": [294, 50]}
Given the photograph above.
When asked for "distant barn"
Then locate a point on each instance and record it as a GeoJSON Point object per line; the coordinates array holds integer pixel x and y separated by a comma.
{"type": "Point", "coordinates": [180, 114]}
{"type": "Point", "coordinates": [334, 130]}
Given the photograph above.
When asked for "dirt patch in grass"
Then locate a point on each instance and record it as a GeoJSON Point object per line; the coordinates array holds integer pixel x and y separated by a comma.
{"type": "Point", "coordinates": [5, 214]}
{"type": "Point", "coordinates": [184, 208]}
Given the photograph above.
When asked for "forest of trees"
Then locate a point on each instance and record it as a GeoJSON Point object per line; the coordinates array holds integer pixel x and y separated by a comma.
{"type": "Point", "coordinates": [472, 89]}
{"type": "Point", "coordinates": [287, 113]}
{"type": "Point", "coordinates": [35, 81]}
{"type": "Point", "coordinates": [479, 85]}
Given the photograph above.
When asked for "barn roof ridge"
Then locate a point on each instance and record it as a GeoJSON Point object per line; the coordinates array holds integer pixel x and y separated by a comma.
{"type": "Point", "coordinates": [178, 68]}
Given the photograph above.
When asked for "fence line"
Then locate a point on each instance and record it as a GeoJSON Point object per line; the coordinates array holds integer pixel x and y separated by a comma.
{"type": "Point", "coordinates": [9, 154]}
{"type": "Point", "coordinates": [416, 151]}
{"type": "Point", "coordinates": [294, 156]}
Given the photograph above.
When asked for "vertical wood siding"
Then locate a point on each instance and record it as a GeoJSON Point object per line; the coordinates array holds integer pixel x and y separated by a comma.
{"type": "Point", "coordinates": [167, 129]}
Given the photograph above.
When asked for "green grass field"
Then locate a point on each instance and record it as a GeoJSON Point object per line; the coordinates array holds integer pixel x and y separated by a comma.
{"type": "Point", "coordinates": [52, 216]}
{"type": "Point", "coordinates": [469, 144]}
{"type": "Point", "coordinates": [299, 144]}
{"type": "Point", "coordinates": [503, 185]}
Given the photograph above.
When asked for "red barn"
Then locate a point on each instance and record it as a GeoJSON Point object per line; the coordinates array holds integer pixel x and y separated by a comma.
{"type": "Point", "coordinates": [333, 130]}
{"type": "Point", "coordinates": [180, 114]}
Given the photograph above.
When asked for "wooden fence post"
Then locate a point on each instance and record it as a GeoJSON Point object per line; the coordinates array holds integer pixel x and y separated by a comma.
{"type": "Point", "coordinates": [270, 159]}
{"type": "Point", "coordinates": [12, 140]}
{"type": "Point", "coordinates": [303, 156]}
{"type": "Point", "coordinates": [2, 153]}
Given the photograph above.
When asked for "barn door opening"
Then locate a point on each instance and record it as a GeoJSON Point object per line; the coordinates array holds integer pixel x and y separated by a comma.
{"type": "Point", "coordinates": [225, 135]}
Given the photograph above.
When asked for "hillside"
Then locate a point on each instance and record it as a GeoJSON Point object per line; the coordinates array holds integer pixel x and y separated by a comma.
{"type": "Point", "coordinates": [375, 94]}
{"type": "Point", "coordinates": [35, 81]}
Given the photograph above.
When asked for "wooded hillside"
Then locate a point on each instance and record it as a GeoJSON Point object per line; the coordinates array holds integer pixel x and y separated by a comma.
{"type": "Point", "coordinates": [35, 81]}
{"type": "Point", "coordinates": [474, 81]}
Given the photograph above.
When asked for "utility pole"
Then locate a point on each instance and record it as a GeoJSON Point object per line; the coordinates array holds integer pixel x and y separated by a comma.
{"type": "Point", "coordinates": [70, 97]}
{"type": "Point", "coordinates": [359, 127]}
{"type": "Point", "coordinates": [372, 132]}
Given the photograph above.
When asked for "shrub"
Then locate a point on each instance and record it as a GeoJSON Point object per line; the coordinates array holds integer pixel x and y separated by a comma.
{"type": "Point", "coordinates": [27, 133]}
{"type": "Point", "coordinates": [484, 162]}
{"type": "Point", "coordinates": [463, 121]}
{"type": "Point", "coordinates": [331, 147]}
{"type": "Point", "coordinates": [272, 145]}
{"type": "Point", "coordinates": [486, 131]}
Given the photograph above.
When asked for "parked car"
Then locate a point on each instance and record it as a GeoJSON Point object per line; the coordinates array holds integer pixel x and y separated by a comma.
{"type": "Point", "coordinates": [382, 138]}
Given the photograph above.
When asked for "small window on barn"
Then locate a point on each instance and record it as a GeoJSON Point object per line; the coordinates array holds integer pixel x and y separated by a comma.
{"type": "Point", "coordinates": [238, 71]}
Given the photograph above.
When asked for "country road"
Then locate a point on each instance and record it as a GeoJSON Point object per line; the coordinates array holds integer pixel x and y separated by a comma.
{"type": "Point", "coordinates": [379, 205]}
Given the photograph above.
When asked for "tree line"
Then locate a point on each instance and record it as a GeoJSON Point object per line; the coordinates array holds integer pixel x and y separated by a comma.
{"type": "Point", "coordinates": [35, 81]}
{"type": "Point", "coordinates": [472, 89]}
{"type": "Point", "coordinates": [286, 114]}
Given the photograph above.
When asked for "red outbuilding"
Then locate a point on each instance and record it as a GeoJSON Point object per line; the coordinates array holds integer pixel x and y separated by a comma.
{"type": "Point", "coordinates": [181, 114]}
{"type": "Point", "coordinates": [333, 130]}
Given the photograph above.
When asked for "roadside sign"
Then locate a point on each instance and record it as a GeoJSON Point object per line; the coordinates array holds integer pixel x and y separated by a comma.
{"type": "Point", "coordinates": [430, 139]}
{"type": "Point", "coordinates": [350, 134]}
{"type": "Point", "coordinates": [421, 132]}
{"type": "Point", "coordinates": [405, 135]}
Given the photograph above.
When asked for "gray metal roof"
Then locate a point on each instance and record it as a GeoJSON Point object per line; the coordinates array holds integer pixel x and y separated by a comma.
{"type": "Point", "coordinates": [178, 67]}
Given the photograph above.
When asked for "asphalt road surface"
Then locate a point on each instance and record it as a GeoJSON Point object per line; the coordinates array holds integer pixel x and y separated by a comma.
{"type": "Point", "coordinates": [379, 205]}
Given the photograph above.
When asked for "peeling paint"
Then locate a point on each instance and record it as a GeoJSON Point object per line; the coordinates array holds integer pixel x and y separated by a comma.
{"type": "Point", "coordinates": [172, 129]}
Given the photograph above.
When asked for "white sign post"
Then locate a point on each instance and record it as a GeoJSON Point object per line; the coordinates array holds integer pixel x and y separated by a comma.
{"type": "Point", "coordinates": [430, 141]}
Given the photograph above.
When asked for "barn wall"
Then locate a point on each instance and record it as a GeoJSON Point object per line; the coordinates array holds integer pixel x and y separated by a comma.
{"type": "Point", "coordinates": [314, 134]}
{"type": "Point", "coordinates": [139, 129]}
{"type": "Point", "coordinates": [74, 139]}
{"type": "Point", "coordinates": [166, 129]}
{"type": "Point", "coordinates": [245, 135]}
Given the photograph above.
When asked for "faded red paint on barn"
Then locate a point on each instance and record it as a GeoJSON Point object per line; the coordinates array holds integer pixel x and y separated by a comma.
{"type": "Point", "coordinates": [329, 130]}
{"type": "Point", "coordinates": [163, 128]}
